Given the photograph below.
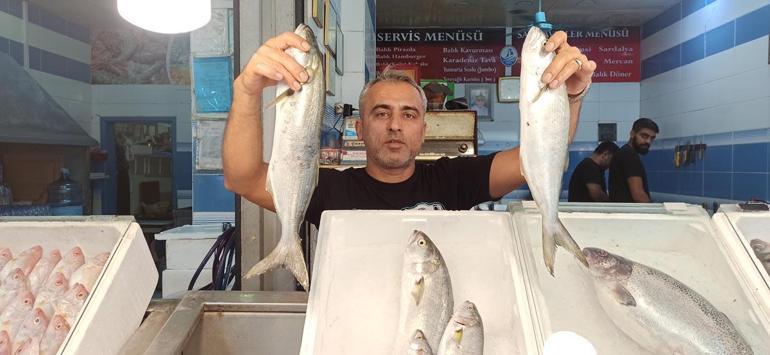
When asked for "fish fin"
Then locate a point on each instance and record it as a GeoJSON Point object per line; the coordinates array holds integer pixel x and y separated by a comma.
{"type": "Point", "coordinates": [286, 93]}
{"type": "Point", "coordinates": [417, 290]}
{"type": "Point", "coordinates": [458, 335]}
{"type": "Point", "coordinates": [549, 249]}
{"type": "Point", "coordinates": [540, 93]}
{"type": "Point", "coordinates": [622, 296]}
{"type": "Point", "coordinates": [561, 237]}
{"type": "Point", "coordinates": [287, 255]}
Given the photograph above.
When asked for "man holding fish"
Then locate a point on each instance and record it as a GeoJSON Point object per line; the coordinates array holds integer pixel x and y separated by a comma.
{"type": "Point", "coordinates": [393, 128]}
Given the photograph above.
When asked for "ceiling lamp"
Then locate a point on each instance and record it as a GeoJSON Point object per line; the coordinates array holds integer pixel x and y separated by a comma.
{"type": "Point", "coordinates": [166, 16]}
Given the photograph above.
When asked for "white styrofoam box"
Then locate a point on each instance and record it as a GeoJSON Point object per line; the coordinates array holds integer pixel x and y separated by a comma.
{"type": "Point", "coordinates": [175, 282]}
{"type": "Point", "coordinates": [731, 220]}
{"type": "Point", "coordinates": [677, 239]}
{"type": "Point", "coordinates": [186, 246]}
{"type": "Point", "coordinates": [353, 307]}
{"type": "Point", "coordinates": [116, 306]}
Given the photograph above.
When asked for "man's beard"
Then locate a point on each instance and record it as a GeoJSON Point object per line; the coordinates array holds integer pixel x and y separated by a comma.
{"type": "Point", "coordinates": [642, 149]}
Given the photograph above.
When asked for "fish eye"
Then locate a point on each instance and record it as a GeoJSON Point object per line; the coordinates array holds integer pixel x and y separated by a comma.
{"type": "Point", "coordinates": [422, 242]}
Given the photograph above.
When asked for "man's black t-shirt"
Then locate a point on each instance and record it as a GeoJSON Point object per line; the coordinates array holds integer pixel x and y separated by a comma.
{"type": "Point", "coordinates": [446, 184]}
{"type": "Point", "coordinates": [587, 172]}
{"type": "Point", "coordinates": [625, 163]}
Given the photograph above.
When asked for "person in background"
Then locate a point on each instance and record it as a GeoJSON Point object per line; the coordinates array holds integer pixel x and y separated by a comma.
{"type": "Point", "coordinates": [587, 181]}
{"type": "Point", "coordinates": [628, 179]}
{"type": "Point", "coordinates": [480, 106]}
{"type": "Point", "coordinates": [436, 94]}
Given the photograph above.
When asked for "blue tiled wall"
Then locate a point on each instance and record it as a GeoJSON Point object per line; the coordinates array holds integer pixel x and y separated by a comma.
{"type": "Point", "coordinates": [52, 63]}
{"type": "Point", "coordinates": [40, 59]}
{"type": "Point", "coordinates": [210, 195]}
{"type": "Point", "coordinates": [183, 170]}
{"type": "Point", "coordinates": [13, 49]}
{"type": "Point", "coordinates": [733, 33]}
{"type": "Point", "coordinates": [735, 167]}
{"type": "Point", "coordinates": [12, 7]}
{"type": "Point", "coordinates": [43, 18]}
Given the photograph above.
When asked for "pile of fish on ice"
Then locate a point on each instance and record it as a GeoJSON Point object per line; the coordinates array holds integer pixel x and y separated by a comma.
{"type": "Point", "coordinates": [41, 295]}
{"type": "Point", "coordinates": [660, 313]}
{"type": "Point", "coordinates": [427, 324]}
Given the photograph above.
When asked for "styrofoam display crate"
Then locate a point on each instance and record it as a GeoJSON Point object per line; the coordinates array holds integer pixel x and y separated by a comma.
{"type": "Point", "coordinates": [748, 225]}
{"type": "Point", "coordinates": [119, 298]}
{"type": "Point", "coordinates": [353, 306]}
{"type": "Point", "coordinates": [186, 247]}
{"type": "Point", "coordinates": [677, 239]}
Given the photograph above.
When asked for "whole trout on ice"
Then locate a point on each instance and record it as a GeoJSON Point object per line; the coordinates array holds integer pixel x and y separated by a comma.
{"type": "Point", "coordinates": [544, 138]}
{"type": "Point", "coordinates": [464, 335]}
{"type": "Point", "coordinates": [657, 311]}
{"type": "Point", "coordinates": [426, 293]}
{"type": "Point", "coordinates": [293, 171]}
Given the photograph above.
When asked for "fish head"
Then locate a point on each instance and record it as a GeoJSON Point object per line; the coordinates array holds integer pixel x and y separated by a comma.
{"type": "Point", "coordinates": [535, 60]}
{"type": "Point", "coordinates": [75, 255]}
{"type": "Point", "coordinates": [58, 281]}
{"type": "Point", "coordinates": [467, 315]}
{"type": "Point", "coordinates": [759, 246]}
{"type": "Point", "coordinates": [35, 251]}
{"type": "Point", "coordinates": [420, 248]}
{"type": "Point", "coordinates": [78, 293]}
{"type": "Point", "coordinates": [5, 254]}
{"type": "Point", "coordinates": [55, 254]}
{"type": "Point", "coordinates": [534, 42]}
{"type": "Point", "coordinates": [607, 266]}
{"type": "Point", "coordinates": [5, 342]}
{"type": "Point", "coordinates": [15, 278]}
{"type": "Point", "coordinates": [38, 320]}
{"type": "Point", "coordinates": [29, 346]}
{"type": "Point", "coordinates": [101, 259]}
{"type": "Point", "coordinates": [60, 325]}
{"type": "Point", "coordinates": [311, 59]}
{"type": "Point", "coordinates": [418, 344]}
{"type": "Point", "coordinates": [26, 299]}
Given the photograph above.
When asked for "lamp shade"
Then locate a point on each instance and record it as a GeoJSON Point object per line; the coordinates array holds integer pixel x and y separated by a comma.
{"type": "Point", "coordinates": [166, 16]}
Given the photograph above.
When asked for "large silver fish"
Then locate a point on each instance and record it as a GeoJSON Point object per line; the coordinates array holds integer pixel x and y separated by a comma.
{"type": "Point", "coordinates": [544, 138]}
{"type": "Point", "coordinates": [464, 335]}
{"type": "Point", "coordinates": [426, 292]}
{"type": "Point", "coordinates": [293, 171]}
{"type": "Point", "coordinates": [657, 311]}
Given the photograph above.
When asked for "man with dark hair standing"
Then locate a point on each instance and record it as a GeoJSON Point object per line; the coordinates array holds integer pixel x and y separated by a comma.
{"type": "Point", "coordinates": [628, 179]}
{"type": "Point", "coordinates": [587, 181]}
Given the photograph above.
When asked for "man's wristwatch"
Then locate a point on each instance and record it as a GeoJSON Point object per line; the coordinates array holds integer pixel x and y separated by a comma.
{"type": "Point", "coordinates": [579, 97]}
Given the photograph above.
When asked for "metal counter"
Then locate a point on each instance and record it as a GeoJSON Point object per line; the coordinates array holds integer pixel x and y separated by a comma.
{"type": "Point", "coordinates": [218, 322]}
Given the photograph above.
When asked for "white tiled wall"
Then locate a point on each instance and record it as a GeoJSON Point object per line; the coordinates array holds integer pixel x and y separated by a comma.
{"type": "Point", "coordinates": [11, 27]}
{"type": "Point", "coordinates": [74, 96]}
{"type": "Point", "coordinates": [605, 103]}
{"type": "Point", "coordinates": [353, 14]}
{"type": "Point", "coordinates": [724, 92]}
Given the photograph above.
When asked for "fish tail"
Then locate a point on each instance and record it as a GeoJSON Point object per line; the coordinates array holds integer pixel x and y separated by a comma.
{"type": "Point", "coordinates": [556, 234]}
{"type": "Point", "coordinates": [287, 255]}
{"type": "Point", "coordinates": [549, 248]}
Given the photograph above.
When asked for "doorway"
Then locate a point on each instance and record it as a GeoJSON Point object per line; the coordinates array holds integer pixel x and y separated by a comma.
{"type": "Point", "coordinates": [139, 167]}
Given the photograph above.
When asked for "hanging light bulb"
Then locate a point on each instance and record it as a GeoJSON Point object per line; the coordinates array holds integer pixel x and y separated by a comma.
{"type": "Point", "coordinates": [166, 16]}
